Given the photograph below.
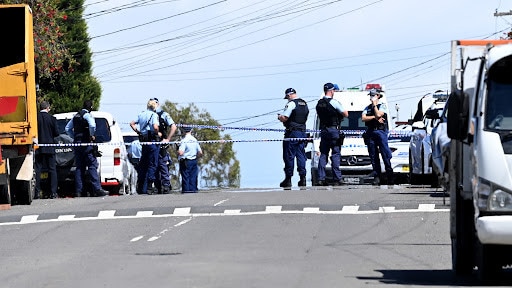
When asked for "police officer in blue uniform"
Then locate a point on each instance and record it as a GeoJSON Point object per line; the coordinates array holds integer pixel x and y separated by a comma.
{"type": "Point", "coordinates": [188, 153]}
{"type": "Point", "coordinates": [294, 119]}
{"type": "Point", "coordinates": [375, 117]}
{"type": "Point", "coordinates": [82, 129]}
{"type": "Point", "coordinates": [149, 135]}
{"type": "Point", "coordinates": [331, 113]}
{"type": "Point", "coordinates": [167, 128]}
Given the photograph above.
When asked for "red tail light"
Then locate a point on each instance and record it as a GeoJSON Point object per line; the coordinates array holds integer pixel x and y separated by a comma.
{"type": "Point", "coordinates": [117, 157]}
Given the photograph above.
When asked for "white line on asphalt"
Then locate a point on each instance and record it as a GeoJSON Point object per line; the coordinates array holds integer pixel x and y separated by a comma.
{"type": "Point", "coordinates": [144, 213]}
{"type": "Point", "coordinates": [137, 238]}
{"type": "Point", "coordinates": [220, 202]}
{"type": "Point", "coordinates": [180, 212]}
{"type": "Point", "coordinates": [350, 209]}
{"type": "Point", "coordinates": [183, 222]}
{"type": "Point", "coordinates": [106, 214]}
{"type": "Point", "coordinates": [29, 219]}
{"type": "Point", "coordinates": [273, 209]}
{"type": "Point", "coordinates": [153, 238]}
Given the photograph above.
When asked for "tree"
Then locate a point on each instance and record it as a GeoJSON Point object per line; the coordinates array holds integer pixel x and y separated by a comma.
{"type": "Point", "coordinates": [218, 167]}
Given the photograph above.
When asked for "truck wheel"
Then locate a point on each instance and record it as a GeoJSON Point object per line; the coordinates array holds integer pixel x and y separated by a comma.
{"type": "Point", "coordinates": [23, 191]}
{"type": "Point", "coordinates": [488, 262]}
{"type": "Point", "coordinates": [5, 198]}
{"type": "Point", "coordinates": [462, 245]}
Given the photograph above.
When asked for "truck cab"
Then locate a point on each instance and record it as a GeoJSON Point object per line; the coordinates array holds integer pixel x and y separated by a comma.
{"type": "Point", "coordinates": [480, 161]}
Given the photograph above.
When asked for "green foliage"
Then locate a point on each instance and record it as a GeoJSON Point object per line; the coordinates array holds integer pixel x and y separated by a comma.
{"type": "Point", "coordinates": [218, 166]}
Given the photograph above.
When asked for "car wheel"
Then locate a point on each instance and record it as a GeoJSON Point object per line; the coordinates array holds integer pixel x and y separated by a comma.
{"type": "Point", "coordinates": [413, 178]}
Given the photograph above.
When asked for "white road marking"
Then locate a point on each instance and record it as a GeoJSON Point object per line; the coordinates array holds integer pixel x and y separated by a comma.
{"type": "Point", "coordinates": [220, 202]}
{"type": "Point", "coordinates": [153, 238]}
{"type": "Point", "coordinates": [29, 219]}
{"type": "Point", "coordinates": [232, 211]}
{"type": "Point", "coordinates": [106, 214]}
{"type": "Point", "coordinates": [183, 222]}
{"type": "Point", "coordinates": [181, 211]}
{"type": "Point", "coordinates": [273, 209]}
{"type": "Point", "coordinates": [350, 209]}
{"type": "Point", "coordinates": [311, 209]}
{"type": "Point", "coordinates": [137, 238]}
{"type": "Point", "coordinates": [386, 209]}
{"type": "Point", "coordinates": [426, 207]}
{"type": "Point", "coordinates": [144, 213]}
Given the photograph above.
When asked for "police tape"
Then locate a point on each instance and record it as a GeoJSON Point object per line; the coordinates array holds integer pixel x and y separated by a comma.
{"type": "Point", "coordinates": [169, 143]}
{"type": "Point", "coordinates": [393, 133]}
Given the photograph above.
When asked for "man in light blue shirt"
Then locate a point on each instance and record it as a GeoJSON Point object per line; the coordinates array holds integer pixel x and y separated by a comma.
{"type": "Point", "coordinates": [188, 152]}
{"type": "Point", "coordinates": [148, 124]}
{"type": "Point", "coordinates": [167, 129]}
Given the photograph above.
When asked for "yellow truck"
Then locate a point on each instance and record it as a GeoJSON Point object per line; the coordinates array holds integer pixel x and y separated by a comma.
{"type": "Point", "coordinates": [18, 108]}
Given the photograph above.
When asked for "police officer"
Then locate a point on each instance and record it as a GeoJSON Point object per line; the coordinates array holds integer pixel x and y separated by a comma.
{"type": "Point", "coordinates": [82, 129]}
{"type": "Point", "coordinates": [331, 113]}
{"type": "Point", "coordinates": [149, 135]}
{"type": "Point", "coordinates": [167, 128]}
{"type": "Point", "coordinates": [294, 119]}
{"type": "Point", "coordinates": [375, 117]}
{"type": "Point", "coordinates": [188, 152]}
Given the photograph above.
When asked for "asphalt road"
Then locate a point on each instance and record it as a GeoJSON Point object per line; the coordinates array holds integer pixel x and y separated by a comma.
{"type": "Point", "coordinates": [351, 236]}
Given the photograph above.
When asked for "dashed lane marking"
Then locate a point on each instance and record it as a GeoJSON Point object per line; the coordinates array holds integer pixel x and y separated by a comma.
{"type": "Point", "coordinates": [185, 211]}
{"type": "Point", "coordinates": [220, 202]}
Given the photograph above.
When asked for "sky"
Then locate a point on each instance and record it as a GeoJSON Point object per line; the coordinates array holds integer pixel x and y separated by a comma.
{"type": "Point", "coordinates": [236, 58]}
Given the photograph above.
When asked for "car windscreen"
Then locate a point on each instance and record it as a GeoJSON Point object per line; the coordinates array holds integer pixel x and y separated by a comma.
{"type": "Point", "coordinates": [102, 129]}
{"type": "Point", "coordinates": [498, 115]}
{"type": "Point", "coordinates": [130, 138]}
{"type": "Point", "coordinates": [353, 121]}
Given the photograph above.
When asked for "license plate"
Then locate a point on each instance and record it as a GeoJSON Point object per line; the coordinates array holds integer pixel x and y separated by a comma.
{"type": "Point", "coordinates": [44, 175]}
{"type": "Point", "coordinates": [351, 180]}
{"type": "Point", "coordinates": [405, 168]}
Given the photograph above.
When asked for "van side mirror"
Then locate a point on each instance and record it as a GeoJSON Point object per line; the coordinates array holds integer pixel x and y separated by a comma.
{"type": "Point", "coordinates": [431, 114]}
{"type": "Point", "coordinates": [308, 155]}
{"type": "Point", "coordinates": [458, 115]}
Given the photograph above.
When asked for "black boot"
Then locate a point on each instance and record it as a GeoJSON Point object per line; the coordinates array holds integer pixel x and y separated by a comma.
{"type": "Point", "coordinates": [287, 182]}
{"type": "Point", "coordinates": [302, 181]}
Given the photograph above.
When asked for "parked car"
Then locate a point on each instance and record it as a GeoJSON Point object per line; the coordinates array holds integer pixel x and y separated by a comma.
{"type": "Point", "coordinates": [398, 141]}
{"type": "Point", "coordinates": [420, 149]}
{"type": "Point", "coordinates": [115, 172]}
{"type": "Point", "coordinates": [441, 148]}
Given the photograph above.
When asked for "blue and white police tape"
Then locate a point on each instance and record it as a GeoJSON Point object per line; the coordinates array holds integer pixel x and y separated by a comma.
{"type": "Point", "coordinates": [171, 142]}
{"type": "Point", "coordinates": [395, 133]}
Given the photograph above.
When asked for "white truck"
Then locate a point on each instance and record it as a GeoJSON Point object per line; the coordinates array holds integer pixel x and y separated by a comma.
{"type": "Point", "coordinates": [480, 162]}
{"type": "Point", "coordinates": [355, 163]}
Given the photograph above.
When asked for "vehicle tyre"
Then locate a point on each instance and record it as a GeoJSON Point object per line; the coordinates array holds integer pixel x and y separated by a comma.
{"type": "Point", "coordinates": [5, 198]}
{"type": "Point", "coordinates": [413, 178]}
{"type": "Point", "coordinates": [462, 244]}
{"type": "Point", "coordinates": [488, 263]}
{"type": "Point", "coordinates": [23, 191]}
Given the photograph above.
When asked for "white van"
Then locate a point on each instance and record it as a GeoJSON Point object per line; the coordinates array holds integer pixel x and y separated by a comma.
{"type": "Point", "coordinates": [355, 161]}
{"type": "Point", "coordinates": [114, 168]}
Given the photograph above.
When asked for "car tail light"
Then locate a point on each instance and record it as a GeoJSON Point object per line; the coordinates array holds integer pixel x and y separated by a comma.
{"type": "Point", "coordinates": [117, 157]}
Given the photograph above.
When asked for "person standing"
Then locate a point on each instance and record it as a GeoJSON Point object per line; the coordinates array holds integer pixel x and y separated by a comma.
{"type": "Point", "coordinates": [167, 129]}
{"type": "Point", "coordinates": [294, 117]}
{"type": "Point", "coordinates": [45, 155]}
{"type": "Point", "coordinates": [331, 113]}
{"type": "Point", "coordinates": [148, 135]}
{"type": "Point", "coordinates": [375, 117]}
{"type": "Point", "coordinates": [82, 129]}
{"type": "Point", "coordinates": [188, 152]}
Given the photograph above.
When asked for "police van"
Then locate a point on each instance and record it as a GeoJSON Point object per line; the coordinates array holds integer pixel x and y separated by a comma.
{"type": "Point", "coordinates": [355, 162]}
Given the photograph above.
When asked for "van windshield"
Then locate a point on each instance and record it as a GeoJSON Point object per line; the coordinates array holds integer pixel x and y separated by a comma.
{"type": "Point", "coordinates": [102, 129]}
{"type": "Point", "coordinates": [498, 114]}
{"type": "Point", "coordinates": [353, 121]}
